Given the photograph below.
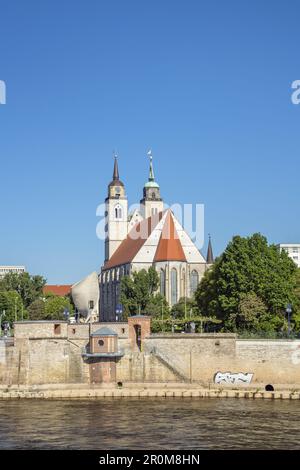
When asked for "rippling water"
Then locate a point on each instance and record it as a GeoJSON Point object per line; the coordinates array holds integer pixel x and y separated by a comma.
{"type": "Point", "coordinates": [150, 424]}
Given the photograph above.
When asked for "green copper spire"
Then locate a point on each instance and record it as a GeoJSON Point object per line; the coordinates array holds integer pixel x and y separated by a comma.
{"type": "Point", "coordinates": [151, 180]}
{"type": "Point", "coordinates": [151, 172]}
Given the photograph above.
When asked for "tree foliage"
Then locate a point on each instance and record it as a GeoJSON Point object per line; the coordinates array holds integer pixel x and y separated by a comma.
{"type": "Point", "coordinates": [184, 308]}
{"type": "Point", "coordinates": [55, 307]}
{"type": "Point", "coordinates": [51, 307]}
{"type": "Point", "coordinates": [30, 288]}
{"type": "Point", "coordinates": [138, 294]}
{"type": "Point", "coordinates": [249, 275]}
{"type": "Point", "coordinates": [11, 303]}
{"type": "Point", "coordinates": [252, 311]}
{"type": "Point", "coordinates": [36, 310]}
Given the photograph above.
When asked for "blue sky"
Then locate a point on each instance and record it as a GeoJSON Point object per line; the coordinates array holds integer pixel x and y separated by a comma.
{"type": "Point", "coordinates": [205, 84]}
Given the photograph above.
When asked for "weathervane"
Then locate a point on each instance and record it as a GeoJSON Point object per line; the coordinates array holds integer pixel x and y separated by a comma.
{"type": "Point", "coordinates": [149, 153]}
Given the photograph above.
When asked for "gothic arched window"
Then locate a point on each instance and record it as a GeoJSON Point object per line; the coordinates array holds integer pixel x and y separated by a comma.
{"type": "Point", "coordinates": [118, 211]}
{"type": "Point", "coordinates": [183, 284]}
{"type": "Point", "coordinates": [173, 286]}
{"type": "Point", "coordinates": [162, 282]}
{"type": "Point", "coordinates": [194, 281]}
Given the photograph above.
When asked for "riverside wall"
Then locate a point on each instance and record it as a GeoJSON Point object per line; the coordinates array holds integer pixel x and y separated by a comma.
{"type": "Point", "coordinates": [51, 353]}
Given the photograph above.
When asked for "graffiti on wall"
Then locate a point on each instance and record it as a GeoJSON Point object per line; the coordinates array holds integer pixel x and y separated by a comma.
{"type": "Point", "coordinates": [235, 379]}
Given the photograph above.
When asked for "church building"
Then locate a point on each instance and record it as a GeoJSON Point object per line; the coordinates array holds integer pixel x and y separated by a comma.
{"type": "Point", "coordinates": [150, 236]}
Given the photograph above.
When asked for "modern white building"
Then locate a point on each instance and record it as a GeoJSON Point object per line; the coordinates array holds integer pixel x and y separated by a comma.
{"type": "Point", "coordinates": [293, 250]}
{"type": "Point", "coordinates": [11, 269]}
{"type": "Point", "coordinates": [85, 295]}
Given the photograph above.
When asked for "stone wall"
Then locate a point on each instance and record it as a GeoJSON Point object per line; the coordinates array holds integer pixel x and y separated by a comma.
{"type": "Point", "coordinates": [45, 354]}
{"type": "Point", "coordinates": [192, 357]}
{"type": "Point", "coordinates": [270, 361]}
{"type": "Point", "coordinates": [198, 358]}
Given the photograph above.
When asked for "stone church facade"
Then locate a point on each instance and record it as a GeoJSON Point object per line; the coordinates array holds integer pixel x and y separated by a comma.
{"type": "Point", "coordinates": [151, 236]}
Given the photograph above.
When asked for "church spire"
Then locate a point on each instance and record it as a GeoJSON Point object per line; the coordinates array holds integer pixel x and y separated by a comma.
{"type": "Point", "coordinates": [151, 203]}
{"type": "Point", "coordinates": [151, 171]}
{"type": "Point", "coordinates": [151, 183]}
{"type": "Point", "coordinates": [116, 169]}
{"type": "Point", "coordinates": [116, 178]}
{"type": "Point", "coordinates": [210, 256]}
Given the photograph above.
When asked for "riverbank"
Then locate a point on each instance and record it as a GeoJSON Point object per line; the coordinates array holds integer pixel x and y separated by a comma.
{"type": "Point", "coordinates": [142, 392]}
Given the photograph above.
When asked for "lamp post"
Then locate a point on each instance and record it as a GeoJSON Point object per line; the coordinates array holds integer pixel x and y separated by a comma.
{"type": "Point", "coordinates": [16, 316]}
{"type": "Point", "coordinates": [162, 315]}
{"type": "Point", "coordinates": [173, 318]}
{"type": "Point", "coordinates": [289, 312]}
{"type": "Point", "coordinates": [1, 316]}
{"type": "Point", "coordinates": [119, 312]}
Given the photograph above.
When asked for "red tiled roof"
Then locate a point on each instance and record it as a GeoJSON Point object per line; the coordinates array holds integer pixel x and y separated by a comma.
{"type": "Point", "coordinates": [133, 243]}
{"type": "Point", "coordinates": [57, 289]}
{"type": "Point", "coordinates": [169, 247]}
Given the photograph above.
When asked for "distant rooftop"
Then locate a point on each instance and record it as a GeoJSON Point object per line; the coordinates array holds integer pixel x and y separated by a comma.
{"type": "Point", "coordinates": [57, 289]}
{"type": "Point", "coordinates": [11, 269]}
{"type": "Point", "coordinates": [288, 244]}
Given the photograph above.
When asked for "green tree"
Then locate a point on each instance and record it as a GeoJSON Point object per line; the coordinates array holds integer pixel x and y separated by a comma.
{"type": "Point", "coordinates": [11, 303]}
{"type": "Point", "coordinates": [296, 305]}
{"type": "Point", "coordinates": [184, 308]}
{"type": "Point", "coordinates": [248, 265]}
{"type": "Point", "coordinates": [252, 311]}
{"type": "Point", "coordinates": [153, 280]}
{"type": "Point", "coordinates": [138, 293]}
{"type": "Point", "coordinates": [55, 306]}
{"type": "Point", "coordinates": [158, 307]}
{"type": "Point", "coordinates": [29, 287]}
{"type": "Point", "coordinates": [36, 310]}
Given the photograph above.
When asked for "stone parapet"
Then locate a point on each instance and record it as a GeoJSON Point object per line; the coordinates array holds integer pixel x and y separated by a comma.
{"type": "Point", "coordinates": [102, 393]}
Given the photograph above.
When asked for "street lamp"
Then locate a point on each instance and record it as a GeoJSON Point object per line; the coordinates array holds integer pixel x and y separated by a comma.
{"type": "Point", "coordinates": [1, 316]}
{"type": "Point", "coordinates": [66, 314]}
{"type": "Point", "coordinates": [119, 312]}
{"type": "Point", "coordinates": [289, 312]}
{"type": "Point", "coordinates": [16, 316]}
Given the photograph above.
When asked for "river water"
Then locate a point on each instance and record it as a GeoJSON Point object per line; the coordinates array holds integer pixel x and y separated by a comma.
{"type": "Point", "coordinates": [150, 424]}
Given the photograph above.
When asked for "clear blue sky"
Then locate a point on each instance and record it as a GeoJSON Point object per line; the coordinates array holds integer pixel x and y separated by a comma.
{"type": "Point", "coordinates": [205, 84]}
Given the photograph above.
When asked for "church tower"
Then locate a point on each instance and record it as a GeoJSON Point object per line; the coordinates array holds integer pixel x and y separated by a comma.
{"type": "Point", "coordinates": [116, 214]}
{"type": "Point", "coordinates": [151, 203]}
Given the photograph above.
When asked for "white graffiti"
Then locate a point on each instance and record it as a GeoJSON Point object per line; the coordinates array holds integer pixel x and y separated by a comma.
{"type": "Point", "coordinates": [229, 378]}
